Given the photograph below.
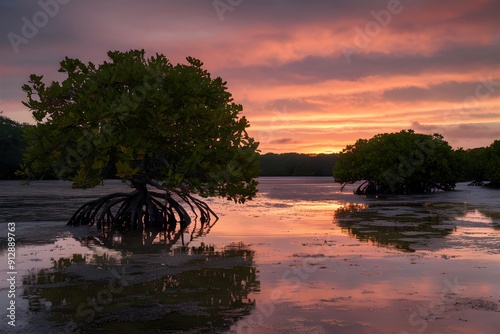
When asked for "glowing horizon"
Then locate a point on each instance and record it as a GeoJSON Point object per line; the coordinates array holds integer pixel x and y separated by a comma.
{"type": "Point", "coordinates": [312, 77]}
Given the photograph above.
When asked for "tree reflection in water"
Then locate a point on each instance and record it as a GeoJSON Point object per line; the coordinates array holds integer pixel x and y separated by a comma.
{"type": "Point", "coordinates": [174, 286]}
{"type": "Point", "coordinates": [149, 240]}
{"type": "Point", "coordinates": [401, 226]}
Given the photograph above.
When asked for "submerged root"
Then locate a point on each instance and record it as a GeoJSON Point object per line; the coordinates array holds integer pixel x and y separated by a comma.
{"type": "Point", "coordinates": [140, 209]}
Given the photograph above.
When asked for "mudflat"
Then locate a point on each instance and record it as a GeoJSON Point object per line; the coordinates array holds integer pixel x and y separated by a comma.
{"type": "Point", "coordinates": [303, 257]}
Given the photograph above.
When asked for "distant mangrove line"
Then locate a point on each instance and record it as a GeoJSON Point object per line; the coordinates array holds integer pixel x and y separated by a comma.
{"type": "Point", "coordinates": [477, 165]}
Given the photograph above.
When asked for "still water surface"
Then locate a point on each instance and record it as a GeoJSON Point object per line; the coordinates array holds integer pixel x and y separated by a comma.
{"type": "Point", "coordinates": [303, 257]}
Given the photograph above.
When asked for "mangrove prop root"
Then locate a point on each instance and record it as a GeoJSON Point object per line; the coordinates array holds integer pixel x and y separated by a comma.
{"type": "Point", "coordinates": [140, 209]}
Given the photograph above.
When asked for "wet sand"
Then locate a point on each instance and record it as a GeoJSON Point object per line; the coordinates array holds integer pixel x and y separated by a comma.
{"type": "Point", "coordinates": [302, 258]}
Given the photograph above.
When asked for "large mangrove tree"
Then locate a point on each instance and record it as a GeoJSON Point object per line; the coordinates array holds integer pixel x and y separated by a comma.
{"type": "Point", "coordinates": [172, 132]}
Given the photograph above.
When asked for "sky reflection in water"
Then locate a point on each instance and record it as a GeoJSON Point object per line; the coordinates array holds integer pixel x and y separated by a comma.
{"type": "Point", "coordinates": [302, 257]}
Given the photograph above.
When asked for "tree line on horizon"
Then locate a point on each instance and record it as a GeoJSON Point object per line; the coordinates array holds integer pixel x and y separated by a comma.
{"type": "Point", "coordinates": [12, 145]}
{"type": "Point", "coordinates": [477, 165]}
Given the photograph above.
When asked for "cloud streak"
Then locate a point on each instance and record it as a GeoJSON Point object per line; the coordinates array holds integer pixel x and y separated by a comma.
{"type": "Point", "coordinates": [284, 62]}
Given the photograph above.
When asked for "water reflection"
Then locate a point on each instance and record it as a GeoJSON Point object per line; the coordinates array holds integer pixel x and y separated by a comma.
{"type": "Point", "coordinates": [207, 290]}
{"type": "Point", "coordinates": [149, 240]}
{"type": "Point", "coordinates": [400, 226]}
{"type": "Point", "coordinates": [481, 218]}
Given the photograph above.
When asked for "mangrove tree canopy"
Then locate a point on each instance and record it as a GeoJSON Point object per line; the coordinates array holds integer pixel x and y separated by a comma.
{"type": "Point", "coordinates": [480, 165]}
{"type": "Point", "coordinates": [11, 146]}
{"type": "Point", "coordinates": [170, 131]}
{"type": "Point", "coordinates": [397, 163]}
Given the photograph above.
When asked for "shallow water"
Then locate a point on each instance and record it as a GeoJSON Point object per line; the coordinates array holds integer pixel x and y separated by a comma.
{"type": "Point", "coordinates": [303, 257]}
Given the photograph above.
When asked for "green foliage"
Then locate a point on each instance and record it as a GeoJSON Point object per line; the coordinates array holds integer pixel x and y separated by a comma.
{"type": "Point", "coordinates": [490, 163]}
{"type": "Point", "coordinates": [136, 116]}
{"type": "Point", "coordinates": [480, 164]}
{"type": "Point", "coordinates": [12, 145]}
{"type": "Point", "coordinates": [472, 164]}
{"type": "Point", "coordinates": [294, 164]}
{"type": "Point", "coordinates": [493, 174]}
{"type": "Point", "coordinates": [403, 162]}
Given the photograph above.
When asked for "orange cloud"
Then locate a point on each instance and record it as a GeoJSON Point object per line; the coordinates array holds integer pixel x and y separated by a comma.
{"type": "Point", "coordinates": [285, 63]}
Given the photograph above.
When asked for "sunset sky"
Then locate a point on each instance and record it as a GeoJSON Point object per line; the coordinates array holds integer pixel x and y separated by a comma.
{"type": "Point", "coordinates": [312, 76]}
